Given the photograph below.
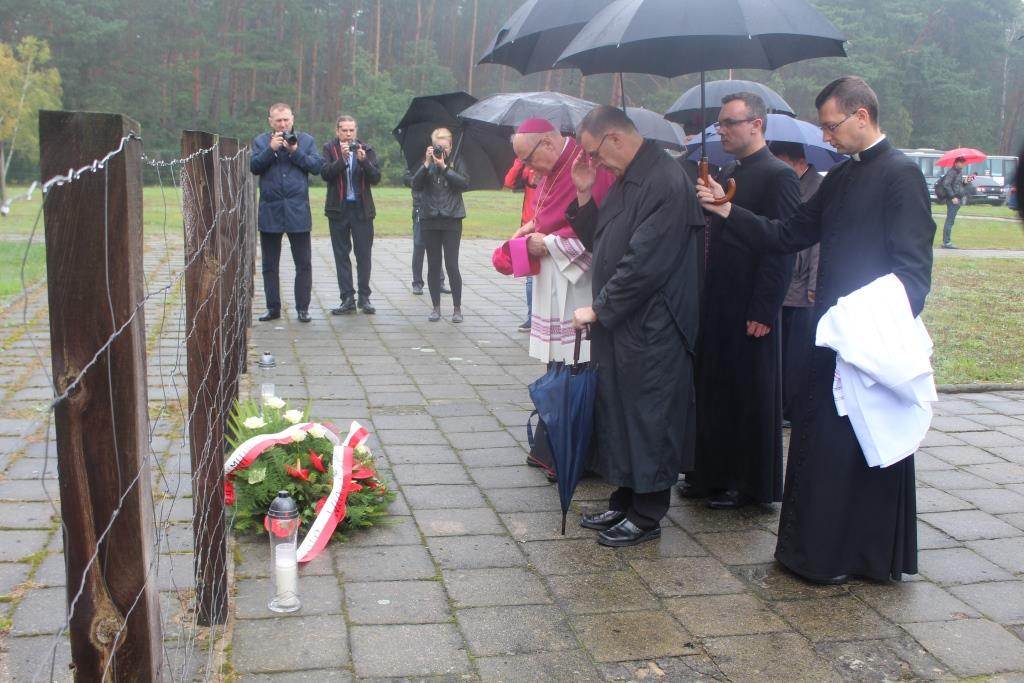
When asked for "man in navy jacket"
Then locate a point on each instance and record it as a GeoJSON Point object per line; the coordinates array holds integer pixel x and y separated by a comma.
{"type": "Point", "coordinates": [284, 161]}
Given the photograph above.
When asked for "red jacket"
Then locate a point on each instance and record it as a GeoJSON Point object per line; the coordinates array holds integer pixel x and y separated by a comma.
{"type": "Point", "coordinates": [521, 178]}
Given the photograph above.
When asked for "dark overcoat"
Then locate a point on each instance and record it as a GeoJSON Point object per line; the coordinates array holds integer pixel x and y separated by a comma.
{"type": "Point", "coordinates": [644, 241]}
{"type": "Point", "coordinates": [873, 217]}
{"type": "Point", "coordinates": [739, 394]}
{"type": "Point", "coordinates": [284, 183]}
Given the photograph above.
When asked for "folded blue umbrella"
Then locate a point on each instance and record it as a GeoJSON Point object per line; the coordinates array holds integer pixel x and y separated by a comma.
{"type": "Point", "coordinates": [564, 397]}
{"type": "Point", "coordinates": [781, 128]}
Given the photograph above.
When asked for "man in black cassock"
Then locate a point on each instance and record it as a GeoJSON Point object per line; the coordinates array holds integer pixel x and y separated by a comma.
{"type": "Point", "coordinates": [873, 217]}
{"type": "Point", "coordinates": [739, 393]}
{"type": "Point", "coordinates": [644, 241]}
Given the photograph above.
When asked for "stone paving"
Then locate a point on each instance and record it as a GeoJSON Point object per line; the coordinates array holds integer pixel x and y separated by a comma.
{"type": "Point", "coordinates": [472, 580]}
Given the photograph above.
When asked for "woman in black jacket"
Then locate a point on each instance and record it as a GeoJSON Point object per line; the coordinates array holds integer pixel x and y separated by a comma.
{"type": "Point", "coordinates": [441, 180]}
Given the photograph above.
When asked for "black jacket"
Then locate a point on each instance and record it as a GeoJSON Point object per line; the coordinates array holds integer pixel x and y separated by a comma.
{"type": "Point", "coordinates": [335, 172]}
{"type": "Point", "coordinates": [956, 186]}
{"type": "Point", "coordinates": [441, 191]}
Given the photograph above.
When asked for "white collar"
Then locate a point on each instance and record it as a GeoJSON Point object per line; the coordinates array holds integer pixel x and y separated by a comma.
{"type": "Point", "coordinates": [856, 157]}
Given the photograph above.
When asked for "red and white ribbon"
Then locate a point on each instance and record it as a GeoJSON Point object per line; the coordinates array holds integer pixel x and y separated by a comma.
{"type": "Point", "coordinates": [342, 463]}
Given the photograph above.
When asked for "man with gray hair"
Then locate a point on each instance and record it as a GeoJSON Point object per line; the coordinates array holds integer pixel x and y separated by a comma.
{"type": "Point", "coordinates": [645, 242]}
{"type": "Point", "coordinates": [739, 397]}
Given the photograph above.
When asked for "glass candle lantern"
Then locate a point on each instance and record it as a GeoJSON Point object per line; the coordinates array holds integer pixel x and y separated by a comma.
{"type": "Point", "coordinates": [283, 526]}
{"type": "Point", "coordinates": [266, 367]}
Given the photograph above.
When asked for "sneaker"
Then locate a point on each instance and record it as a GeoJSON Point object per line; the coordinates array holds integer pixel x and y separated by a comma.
{"type": "Point", "coordinates": [417, 290]}
{"type": "Point", "coordinates": [444, 289]}
{"type": "Point", "coordinates": [949, 245]}
{"type": "Point", "coordinates": [434, 316]}
{"type": "Point", "coordinates": [525, 327]}
{"type": "Point", "coordinates": [456, 317]}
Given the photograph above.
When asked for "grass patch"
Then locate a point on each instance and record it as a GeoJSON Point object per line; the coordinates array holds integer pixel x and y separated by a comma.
{"type": "Point", "coordinates": [11, 255]}
{"type": "Point", "coordinates": [978, 233]}
{"type": "Point", "coordinates": [982, 210]}
{"type": "Point", "coordinates": [489, 214]}
{"type": "Point", "coordinates": [975, 314]}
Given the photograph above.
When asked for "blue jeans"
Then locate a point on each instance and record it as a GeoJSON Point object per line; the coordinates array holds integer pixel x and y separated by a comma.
{"type": "Point", "coordinates": [951, 211]}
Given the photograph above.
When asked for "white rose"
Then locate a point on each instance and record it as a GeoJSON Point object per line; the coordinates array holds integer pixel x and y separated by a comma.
{"type": "Point", "coordinates": [273, 402]}
{"type": "Point", "coordinates": [298, 435]}
{"type": "Point", "coordinates": [293, 416]}
{"type": "Point", "coordinates": [317, 431]}
{"type": "Point", "coordinates": [254, 422]}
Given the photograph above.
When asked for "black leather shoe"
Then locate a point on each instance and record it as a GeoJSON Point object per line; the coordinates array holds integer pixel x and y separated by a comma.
{"type": "Point", "coordinates": [625, 533]}
{"type": "Point", "coordinates": [687, 490]}
{"type": "Point", "coordinates": [348, 306]}
{"type": "Point", "coordinates": [728, 500]}
{"type": "Point", "coordinates": [304, 316]}
{"type": "Point", "coordinates": [602, 520]}
{"type": "Point", "coordinates": [366, 307]}
{"type": "Point", "coordinates": [270, 315]}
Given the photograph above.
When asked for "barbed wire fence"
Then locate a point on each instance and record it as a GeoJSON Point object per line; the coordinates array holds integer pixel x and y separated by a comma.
{"type": "Point", "coordinates": [146, 353]}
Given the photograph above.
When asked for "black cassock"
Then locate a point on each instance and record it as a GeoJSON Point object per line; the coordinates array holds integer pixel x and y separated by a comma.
{"type": "Point", "coordinates": [644, 241]}
{"type": "Point", "coordinates": [839, 516]}
{"type": "Point", "coordinates": [739, 394]}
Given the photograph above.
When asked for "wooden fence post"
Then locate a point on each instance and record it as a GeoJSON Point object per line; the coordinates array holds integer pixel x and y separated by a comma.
{"type": "Point", "coordinates": [232, 327]}
{"type": "Point", "coordinates": [94, 279]}
{"type": "Point", "coordinates": [202, 214]}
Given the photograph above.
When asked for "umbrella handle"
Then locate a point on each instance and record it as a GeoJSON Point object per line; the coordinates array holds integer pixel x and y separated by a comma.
{"type": "Point", "coordinates": [730, 187]}
{"type": "Point", "coordinates": [581, 334]}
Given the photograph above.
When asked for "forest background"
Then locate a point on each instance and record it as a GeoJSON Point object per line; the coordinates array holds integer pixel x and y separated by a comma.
{"type": "Point", "coordinates": [948, 72]}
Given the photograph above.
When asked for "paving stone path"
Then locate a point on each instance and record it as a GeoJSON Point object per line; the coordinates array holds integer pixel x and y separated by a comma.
{"type": "Point", "coordinates": [472, 580]}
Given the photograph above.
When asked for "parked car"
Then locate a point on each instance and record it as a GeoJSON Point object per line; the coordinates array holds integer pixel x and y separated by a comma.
{"type": "Point", "coordinates": [986, 190]}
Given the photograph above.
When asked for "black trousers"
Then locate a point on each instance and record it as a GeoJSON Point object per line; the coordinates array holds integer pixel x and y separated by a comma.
{"type": "Point", "coordinates": [350, 230]}
{"type": "Point", "coordinates": [797, 346]}
{"type": "Point", "coordinates": [643, 509]}
{"type": "Point", "coordinates": [270, 248]}
{"type": "Point", "coordinates": [442, 237]}
{"type": "Point", "coordinates": [418, 250]}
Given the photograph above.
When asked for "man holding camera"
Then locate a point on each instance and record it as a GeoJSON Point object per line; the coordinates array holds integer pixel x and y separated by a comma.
{"type": "Point", "coordinates": [350, 170]}
{"type": "Point", "coordinates": [284, 159]}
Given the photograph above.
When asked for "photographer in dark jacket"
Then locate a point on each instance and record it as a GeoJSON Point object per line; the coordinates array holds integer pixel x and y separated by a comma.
{"type": "Point", "coordinates": [283, 159]}
{"type": "Point", "coordinates": [955, 186]}
{"type": "Point", "coordinates": [350, 169]}
{"type": "Point", "coordinates": [441, 180]}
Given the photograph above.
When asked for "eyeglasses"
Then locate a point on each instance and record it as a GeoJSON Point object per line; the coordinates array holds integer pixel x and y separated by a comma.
{"type": "Point", "coordinates": [831, 127]}
{"type": "Point", "coordinates": [593, 155]}
{"type": "Point", "coordinates": [526, 160]}
{"type": "Point", "coordinates": [729, 123]}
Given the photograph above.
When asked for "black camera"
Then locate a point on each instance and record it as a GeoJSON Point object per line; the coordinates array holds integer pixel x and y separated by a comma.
{"type": "Point", "coordinates": [290, 137]}
{"type": "Point", "coordinates": [438, 151]}
{"type": "Point", "coordinates": [353, 147]}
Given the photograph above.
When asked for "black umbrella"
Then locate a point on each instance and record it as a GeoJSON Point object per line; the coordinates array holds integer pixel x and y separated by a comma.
{"type": "Point", "coordinates": [653, 126]}
{"type": "Point", "coordinates": [506, 111]}
{"type": "Point", "coordinates": [536, 33]}
{"type": "Point", "coordinates": [675, 37]}
{"type": "Point", "coordinates": [687, 110]}
{"type": "Point", "coordinates": [486, 154]}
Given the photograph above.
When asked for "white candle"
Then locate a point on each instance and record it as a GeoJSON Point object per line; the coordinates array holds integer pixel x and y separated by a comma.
{"type": "Point", "coordinates": [286, 575]}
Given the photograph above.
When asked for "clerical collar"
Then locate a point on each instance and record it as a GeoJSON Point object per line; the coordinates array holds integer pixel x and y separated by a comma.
{"type": "Point", "coordinates": [873, 150]}
{"type": "Point", "coordinates": [760, 154]}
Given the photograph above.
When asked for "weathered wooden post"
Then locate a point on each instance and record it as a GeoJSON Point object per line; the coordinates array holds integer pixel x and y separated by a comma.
{"type": "Point", "coordinates": [94, 279]}
{"type": "Point", "coordinates": [201, 211]}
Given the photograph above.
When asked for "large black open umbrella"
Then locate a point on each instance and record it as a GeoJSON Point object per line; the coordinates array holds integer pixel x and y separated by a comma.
{"type": "Point", "coordinates": [485, 153]}
{"type": "Point", "coordinates": [688, 112]}
{"type": "Point", "coordinates": [534, 36]}
{"type": "Point", "coordinates": [675, 37]}
{"type": "Point", "coordinates": [506, 111]}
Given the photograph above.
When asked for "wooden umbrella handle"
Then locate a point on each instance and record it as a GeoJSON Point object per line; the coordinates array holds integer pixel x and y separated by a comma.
{"type": "Point", "coordinates": [730, 187]}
